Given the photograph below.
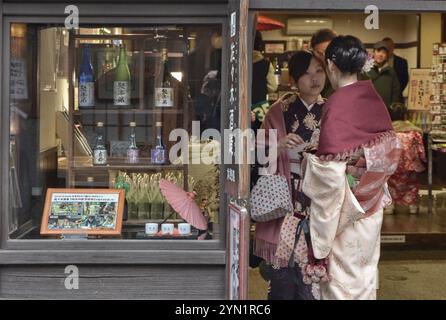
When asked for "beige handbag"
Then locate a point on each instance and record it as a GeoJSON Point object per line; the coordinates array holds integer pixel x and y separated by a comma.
{"type": "Point", "coordinates": [270, 198]}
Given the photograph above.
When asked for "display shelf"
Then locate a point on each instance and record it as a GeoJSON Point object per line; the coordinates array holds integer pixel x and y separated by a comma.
{"type": "Point", "coordinates": [85, 163]}
{"type": "Point", "coordinates": [144, 52]}
{"type": "Point", "coordinates": [128, 111]}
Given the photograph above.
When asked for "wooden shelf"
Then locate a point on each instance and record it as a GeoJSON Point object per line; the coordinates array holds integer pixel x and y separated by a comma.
{"type": "Point", "coordinates": [129, 167]}
{"type": "Point", "coordinates": [127, 111]}
{"type": "Point", "coordinates": [85, 164]}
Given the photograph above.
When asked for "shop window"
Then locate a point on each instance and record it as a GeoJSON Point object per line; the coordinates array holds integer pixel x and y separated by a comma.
{"type": "Point", "coordinates": [93, 108]}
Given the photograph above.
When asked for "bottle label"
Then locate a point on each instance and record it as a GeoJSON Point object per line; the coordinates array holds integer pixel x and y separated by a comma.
{"type": "Point", "coordinates": [133, 155]}
{"type": "Point", "coordinates": [100, 157]}
{"type": "Point", "coordinates": [163, 97]}
{"type": "Point", "coordinates": [121, 93]}
{"type": "Point", "coordinates": [86, 94]}
{"type": "Point", "coordinates": [158, 156]}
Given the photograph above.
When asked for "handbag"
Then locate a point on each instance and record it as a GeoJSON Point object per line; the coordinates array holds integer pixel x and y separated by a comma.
{"type": "Point", "coordinates": [270, 198]}
{"type": "Point", "coordinates": [295, 246]}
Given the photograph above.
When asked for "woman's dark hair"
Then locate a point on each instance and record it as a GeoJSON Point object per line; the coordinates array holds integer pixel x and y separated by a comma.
{"type": "Point", "coordinates": [258, 42]}
{"type": "Point", "coordinates": [347, 53]}
{"type": "Point", "coordinates": [299, 63]}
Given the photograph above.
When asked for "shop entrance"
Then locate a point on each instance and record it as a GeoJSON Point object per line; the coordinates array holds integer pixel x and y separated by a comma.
{"type": "Point", "coordinates": [417, 219]}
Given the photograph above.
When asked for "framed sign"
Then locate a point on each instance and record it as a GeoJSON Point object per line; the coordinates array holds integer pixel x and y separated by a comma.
{"type": "Point", "coordinates": [420, 89]}
{"type": "Point", "coordinates": [83, 211]}
{"type": "Point", "coordinates": [238, 252]}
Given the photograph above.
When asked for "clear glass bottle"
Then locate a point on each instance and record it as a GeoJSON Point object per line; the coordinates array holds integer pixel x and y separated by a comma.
{"type": "Point", "coordinates": [159, 153]}
{"type": "Point", "coordinates": [121, 84]}
{"type": "Point", "coordinates": [86, 80]}
{"type": "Point", "coordinates": [99, 150]}
{"type": "Point", "coordinates": [132, 151]}
{"type": "Point", "coordinates": [164, 93]}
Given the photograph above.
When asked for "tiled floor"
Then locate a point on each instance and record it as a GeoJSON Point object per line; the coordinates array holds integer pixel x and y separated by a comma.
{"type": "Point", "coordinates": [419, 277]}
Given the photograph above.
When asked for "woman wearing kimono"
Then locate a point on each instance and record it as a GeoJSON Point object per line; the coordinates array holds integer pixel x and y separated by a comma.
{"type": "Point", "coordinates": [296, 118]}
{"type": "Point", "coordinates": [346, 179]}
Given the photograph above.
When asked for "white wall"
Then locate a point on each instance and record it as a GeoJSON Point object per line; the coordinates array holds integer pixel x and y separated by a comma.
{"type": "Point", "coordinates": [430, 33]}
{"type": "Point", "coordinates": [402, 28]}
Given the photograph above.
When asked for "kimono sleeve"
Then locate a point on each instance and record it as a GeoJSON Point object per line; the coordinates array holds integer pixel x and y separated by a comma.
{"type": "Point", "coordinates": [325, 184]}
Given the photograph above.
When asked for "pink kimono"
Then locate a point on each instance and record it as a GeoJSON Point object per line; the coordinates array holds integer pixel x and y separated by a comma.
{"type": "Point", "coordinates": [347, 184]}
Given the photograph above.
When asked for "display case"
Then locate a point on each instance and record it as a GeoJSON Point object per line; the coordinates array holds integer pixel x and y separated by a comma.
{"type": "Point", "coordinates": [119, 107]}
{"type": "Point", "coordinates": [149, 56]}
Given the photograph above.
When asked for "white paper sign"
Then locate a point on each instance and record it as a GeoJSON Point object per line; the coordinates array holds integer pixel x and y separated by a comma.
{"type": "Point", "coordinates": [18, 83]}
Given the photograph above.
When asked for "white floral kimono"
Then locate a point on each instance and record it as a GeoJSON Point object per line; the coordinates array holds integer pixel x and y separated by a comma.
{"type": "Point", "coordinates": [346, 229]}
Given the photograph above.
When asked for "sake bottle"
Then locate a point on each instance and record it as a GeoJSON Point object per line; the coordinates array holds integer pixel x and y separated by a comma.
{"type": "Point", "coordinates": [86, 80]}
{"type": "Point", "coordinates": [164, 93]}
{"type": "Point", "coordinates": [121, 84]}
{"type": "Point", "coordinates": [158, 153]}
{"type": "Point", "coordinates": [132, 151]}
{"type": "Point", "coordinates": [99, 150]}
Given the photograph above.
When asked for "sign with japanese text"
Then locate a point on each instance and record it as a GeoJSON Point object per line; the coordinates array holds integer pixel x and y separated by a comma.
{"type": "Point", "coordinates": [83, 211]}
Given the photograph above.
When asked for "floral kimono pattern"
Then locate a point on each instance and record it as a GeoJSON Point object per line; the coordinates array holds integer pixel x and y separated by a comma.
{"type": "Point", "coordinates": [304, 122]}
{"type": "Point", "coordinates": [404, 184]}
{"type": "Point", "coordinates": [346, 216]}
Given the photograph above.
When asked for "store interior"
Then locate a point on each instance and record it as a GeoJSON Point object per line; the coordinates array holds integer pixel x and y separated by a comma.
{"type": "Point", "coordinates": [414, 36]}
{"type": "Point", "coordinates": [417, 219]}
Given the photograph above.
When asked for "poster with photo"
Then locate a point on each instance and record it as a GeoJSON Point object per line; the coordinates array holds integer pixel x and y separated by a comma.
{"type": "Point", "coordinates": [83, 211]}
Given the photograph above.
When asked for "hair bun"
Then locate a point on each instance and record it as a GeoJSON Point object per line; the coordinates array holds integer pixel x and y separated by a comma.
{"type": "Point", "coordinates": [349, 54]}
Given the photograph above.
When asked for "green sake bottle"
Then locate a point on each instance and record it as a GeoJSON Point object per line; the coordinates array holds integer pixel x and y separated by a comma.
{"type": "Point", "coordinates": [121, 84]}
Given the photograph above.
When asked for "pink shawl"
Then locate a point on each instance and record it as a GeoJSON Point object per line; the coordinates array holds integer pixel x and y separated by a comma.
{"type": "Point", "coordinates": [355, 115]}
{"type": "Point", "coordinates": [267, 233]}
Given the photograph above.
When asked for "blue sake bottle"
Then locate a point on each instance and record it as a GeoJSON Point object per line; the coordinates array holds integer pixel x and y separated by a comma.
{"type": "Point", "coordinates": [86, 80]}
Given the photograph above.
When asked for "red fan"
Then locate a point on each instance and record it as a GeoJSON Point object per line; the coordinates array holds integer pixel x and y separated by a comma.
{"type": "Point", "coordinates": [183, 203]}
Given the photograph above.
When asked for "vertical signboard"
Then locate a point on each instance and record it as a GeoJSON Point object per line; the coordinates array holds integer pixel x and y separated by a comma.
{"type": "Point", "coordinates": [236, 164]}
{"type": "Point", "coordinates": [238, 242]}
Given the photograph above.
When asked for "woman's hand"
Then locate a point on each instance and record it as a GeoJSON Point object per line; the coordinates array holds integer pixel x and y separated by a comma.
{"type": "Point", "coordinates": [289, 141]}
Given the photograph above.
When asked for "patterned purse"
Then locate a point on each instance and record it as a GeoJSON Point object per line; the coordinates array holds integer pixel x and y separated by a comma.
{"type": "Point", "coordinates": [270, 198]}
{"type": "Point", "coordinates": [295, 246]}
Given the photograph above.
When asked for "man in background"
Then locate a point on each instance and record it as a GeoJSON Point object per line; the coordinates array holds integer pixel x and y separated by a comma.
{"type": "Point", "coordinates": [263, 80]}
{"type": "Point", "coordinates": [399, 64]}
{"type": "Point", "coordinates": [319, 43]}
{"type": "Point", "coordinates": [383, 76]}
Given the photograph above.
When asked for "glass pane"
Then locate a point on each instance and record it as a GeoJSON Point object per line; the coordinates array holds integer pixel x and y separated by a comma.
{"type": "Point", "coordinates": [94, 108]}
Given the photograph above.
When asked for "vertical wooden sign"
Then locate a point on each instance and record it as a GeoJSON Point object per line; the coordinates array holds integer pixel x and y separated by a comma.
{"type": "Point", "coordinates": [237, 171]}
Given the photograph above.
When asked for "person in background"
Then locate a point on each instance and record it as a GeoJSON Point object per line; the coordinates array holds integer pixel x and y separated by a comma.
{"type": "Point", "coordinates": [346, 178]}
{"type": "Point", "coordinates": [399, 64]}
{"type": "Point", "coordinates": [319, 43]}
{"type": "Point", "coordinates": [383, 76]}
{"type": "Point", "coordinates": [263, 80]}
{"type": "Point", "coordinates": [296, 118]}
